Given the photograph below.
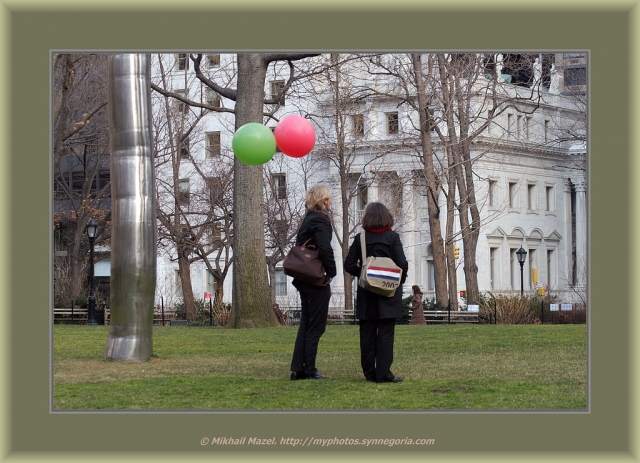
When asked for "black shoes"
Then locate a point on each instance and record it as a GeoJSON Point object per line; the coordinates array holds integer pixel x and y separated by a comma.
{"type": "Point", "coordinates": [296, 375]}
{"type": "Point", "coordinates": [396, 379]}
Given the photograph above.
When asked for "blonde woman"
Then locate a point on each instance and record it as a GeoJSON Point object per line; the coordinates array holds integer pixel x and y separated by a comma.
{"type": "Point", "coordinates": [314, 299]}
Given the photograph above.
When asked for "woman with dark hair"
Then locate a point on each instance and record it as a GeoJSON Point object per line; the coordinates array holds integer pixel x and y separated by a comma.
{"type": "Point", "coordinates": [314, 300]}
{"type": "Point", "coordinates": [417, 317]}
{"type": "Point", "coordinates": [377, 314]}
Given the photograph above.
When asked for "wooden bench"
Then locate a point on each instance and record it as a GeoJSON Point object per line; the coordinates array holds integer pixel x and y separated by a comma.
{"type": "Point", "coordinates": [66, 314]}
{"type": "Point", "coordinates": [342, 316]}
{"type": "Point", "coordinates": [446, 316]}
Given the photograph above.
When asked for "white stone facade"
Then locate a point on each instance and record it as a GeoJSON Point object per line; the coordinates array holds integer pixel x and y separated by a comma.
{"type": "Point", "coordinates": [532, 193]}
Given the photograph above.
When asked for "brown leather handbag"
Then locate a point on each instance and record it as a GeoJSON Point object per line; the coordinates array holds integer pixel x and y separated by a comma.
{"type": "Point", "coordinates": [303, 263]}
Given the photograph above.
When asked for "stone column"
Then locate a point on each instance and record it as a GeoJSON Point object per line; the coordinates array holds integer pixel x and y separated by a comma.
{"type": "Point", "coordinates": [568, 233]}
{"type": "Point", "coordinates": [580, 185]}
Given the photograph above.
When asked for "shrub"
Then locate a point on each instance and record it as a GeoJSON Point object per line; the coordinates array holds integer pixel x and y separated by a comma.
{"type": "Point", "coordinates": [509, 310]}
{"type": "Point", "coordinates": [219, 316]}
{"type": "Point", "coordinates": [81, 301]}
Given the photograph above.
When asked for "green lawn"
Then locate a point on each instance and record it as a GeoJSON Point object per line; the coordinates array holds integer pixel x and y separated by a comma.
{"type": "Point", "coordinates": [446, 367]}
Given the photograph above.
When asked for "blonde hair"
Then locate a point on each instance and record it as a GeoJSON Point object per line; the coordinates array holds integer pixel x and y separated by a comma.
{"type": "Point", "coordinates": [316, 196]}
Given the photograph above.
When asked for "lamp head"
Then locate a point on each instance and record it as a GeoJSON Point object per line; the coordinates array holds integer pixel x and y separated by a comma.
{"type": "Point", "coordinates": [92, 228]}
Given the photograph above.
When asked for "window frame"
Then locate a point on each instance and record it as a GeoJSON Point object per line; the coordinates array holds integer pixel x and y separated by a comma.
{"type": "Point", "coordinates": [393, 122]}
{"type": "Point", "coordinates": [209, 152]}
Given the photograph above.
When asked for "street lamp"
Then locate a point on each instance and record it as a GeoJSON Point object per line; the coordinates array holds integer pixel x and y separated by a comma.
{"type": "Point", "coordinates": [92, 228]}
{"type": "Point", "coordinates": [522, 256]}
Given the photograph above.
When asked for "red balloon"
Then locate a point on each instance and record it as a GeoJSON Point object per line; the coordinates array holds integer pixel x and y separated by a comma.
{"type": "Point", "coordinates": [295, 136]}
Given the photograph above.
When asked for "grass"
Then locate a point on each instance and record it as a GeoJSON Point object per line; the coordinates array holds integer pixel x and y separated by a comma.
{"type": "Point", "coordinates": [446, 367]}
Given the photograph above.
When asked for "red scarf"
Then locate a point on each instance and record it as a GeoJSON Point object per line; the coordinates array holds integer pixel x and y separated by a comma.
{"type": "Point", "coordinates": [377, 230]}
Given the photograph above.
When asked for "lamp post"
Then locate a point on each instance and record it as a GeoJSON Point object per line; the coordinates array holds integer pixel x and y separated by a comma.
{"type": "Point", "coordinates": [522, 256]}
{"type": "Point", "coordinates": [92, 228]}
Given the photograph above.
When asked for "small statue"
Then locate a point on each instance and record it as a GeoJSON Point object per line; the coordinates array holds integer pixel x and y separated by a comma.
{"type": "Point", "coordinates": [499, 58]}
{"type": "Point", "coordinates": [555, 81]}
{"type": "Point", "coordinates": [537, 72]}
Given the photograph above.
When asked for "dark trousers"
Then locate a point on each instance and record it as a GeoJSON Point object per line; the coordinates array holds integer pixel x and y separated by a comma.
{"type": "Point", "coordinates": [313, 322]}
{"type": "Point", "coordinates": [376, 348]}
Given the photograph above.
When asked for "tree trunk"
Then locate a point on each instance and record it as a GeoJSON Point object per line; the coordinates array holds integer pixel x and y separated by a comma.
{"type": "Point", "coordinates": [451, 261]}
{"type": "Point", "coordinates": [251, 298]}
{"type": "Point", "coordinates": [348, 280]}
{"type": "Point", "coordinates": [437, 242]}
{"type": "Point", "coordinates": [184, 269]}
{"type": "Point", "coordinates": [469, 214]}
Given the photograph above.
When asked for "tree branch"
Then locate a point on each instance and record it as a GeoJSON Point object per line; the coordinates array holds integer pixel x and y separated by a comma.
{"type": "Point", "coordinates": [192, 103]}
{"type": "Point", "coordinates": [225, 92]}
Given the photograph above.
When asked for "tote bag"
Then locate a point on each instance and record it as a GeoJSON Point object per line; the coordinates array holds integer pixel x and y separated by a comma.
{"type": "Point", "coordinates": [303, 263]}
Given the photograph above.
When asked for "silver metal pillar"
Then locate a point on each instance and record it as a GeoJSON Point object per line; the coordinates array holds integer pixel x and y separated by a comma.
{"type": "Point", "coordinates": [133, 225]}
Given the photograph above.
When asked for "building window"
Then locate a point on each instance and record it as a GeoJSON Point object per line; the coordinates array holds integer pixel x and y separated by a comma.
{"type": "Point", "coordinates": [513, 191]}
{"type": "Point", "coordinates": [184, 191]}
{"type": "Point", "coordinates": [520, 127]}
{"type": "Point", "coordinates": [392, 123]}
{"type": "Point", "coordinates": [362, 197]}
{"type": "Point", "coordinates": [213, 99]}
{"type": "Point", "coordinates": [510, 126]}
{"type": "Point", "coordinates": [184, 148]}
{"type": "Point", "coordinates": [277, 88]}
{"type": "Point", "coordinates": [514, 265]}
{"type": "Point", "coordinates": [493, 263]}
{"type": "Point", "coordinates": [573, 55]}
{"type": "Point", "coordinates": [533, 268]}
{"type": "Point", "coordinates": [213, 61]}
{"type": "Point", "coordinates": [182, 61]}
{"type": "Point", "coordinates": [281, 282]}
{"type": "Point", "coordinates": [358, 125]}
{"type": "Point", "coordinates": [546, 130]}
{"type": "Point", "coordinates": [212, 144]}
{"type": "Point", "coordinates": [531, 197]}
{"type": "Point", "coordinates": [178, 105]}
{"type": "Point", "coordinates": [551, 274]}
{"type": "Point", "coordinates": [492, 193]}
{"type": "Point", "coordinates": [177, 283]}
{"type": "Point", "coordinates": [215, 190]}
{"type": "Point", "coordinates": [215, 233]}
{"type": "Point", "coordinates": [431, 278]}
{"type": "Point", "coordinates": [211, 282]}
{"type": "Point", "coordinates": [549, 199]}
{"type": "Point", "coordinates": [77, 181]}
{"type": "Point", "coordinates": [104, 179]}
{"type": "Point", "coordinates": [281, 227]}
{"type": "Point", "coordinates": [575, 76]}
{"type": "Point", "coordinates": [279, 183]}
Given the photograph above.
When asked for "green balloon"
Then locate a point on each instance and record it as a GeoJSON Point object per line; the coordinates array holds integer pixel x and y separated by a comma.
{"type": "Point", "coordinates": [254, 144]}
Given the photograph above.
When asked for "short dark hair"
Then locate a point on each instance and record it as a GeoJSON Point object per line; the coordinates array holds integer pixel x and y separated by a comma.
{"type": "Point", "coordinates": [376, 215]}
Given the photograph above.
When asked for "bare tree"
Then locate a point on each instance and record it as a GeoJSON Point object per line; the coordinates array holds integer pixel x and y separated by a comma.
{"type": "Point", "coordinates": [335, 98]}
{"type": "Point", "coordinates": [283, 211]}
{"type": "Point", "coordinates": [81, 164]}
{"type": "Point", "coordinates": [252, 306]}
{"type": "Point", "coordinates": [469, 103]}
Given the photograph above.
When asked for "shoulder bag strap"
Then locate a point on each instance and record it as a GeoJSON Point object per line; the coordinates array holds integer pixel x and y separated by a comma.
{"type": "Point", "coordinates": [363, 247]}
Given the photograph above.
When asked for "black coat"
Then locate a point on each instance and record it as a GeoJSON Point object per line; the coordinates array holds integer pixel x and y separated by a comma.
{"type": "Point", "coordinates": [317, 225]}
{"type": "Point", "coordinates": [371, 306]}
